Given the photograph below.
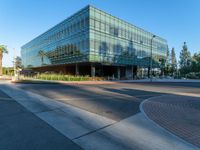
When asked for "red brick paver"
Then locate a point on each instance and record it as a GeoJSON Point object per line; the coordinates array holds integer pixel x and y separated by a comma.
{"type": "Point", "coordinates": [178, 114]}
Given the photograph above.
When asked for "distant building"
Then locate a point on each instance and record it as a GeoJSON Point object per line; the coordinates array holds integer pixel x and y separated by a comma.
{"type": "Point", "coordinates": [92, 42]}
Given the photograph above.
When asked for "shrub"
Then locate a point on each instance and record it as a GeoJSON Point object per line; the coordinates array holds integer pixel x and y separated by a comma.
{"type": "Point", "coordinates": [193, 75]}
{"type": "Point", "coordinates": [62, 77]}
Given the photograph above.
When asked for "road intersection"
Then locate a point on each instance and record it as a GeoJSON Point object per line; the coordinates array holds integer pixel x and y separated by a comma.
{"type": "Point", "coordinates": [102, 116]}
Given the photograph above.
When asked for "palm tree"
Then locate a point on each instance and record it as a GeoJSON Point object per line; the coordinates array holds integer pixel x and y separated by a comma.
{"type": "Point", "coordinates": [3, 49]}
{"type": "Point", "coordinates": [42, 54]}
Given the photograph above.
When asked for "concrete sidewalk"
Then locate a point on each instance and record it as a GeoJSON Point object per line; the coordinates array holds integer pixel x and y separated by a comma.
{"type": "Point", "coordinates": [92, 131]}
{"type": "Point", "coordinates": [70, 121]}
{"type": "Point", "coordinates": [22, 130]}
{"type": "Point", "coordinates": [135, 132]}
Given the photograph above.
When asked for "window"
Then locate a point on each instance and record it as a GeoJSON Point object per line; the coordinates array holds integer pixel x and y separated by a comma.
{"type": "Point", "coordinates": [82, 24]}
{"type": "Point", "coordinates": [87, 22]}
{"type": "Point", "coordinates": [92, 44]}
{"type": "Point", "coordinates": [78, 25]}
{"type": "Point", "coordinates": [107, 28]}
{"type": "Point", "coordinates": [102, 27]}
{"type": "Point", "coordinates": [97, 25]}
{"type": "Point", "coordinates": [92, 22]}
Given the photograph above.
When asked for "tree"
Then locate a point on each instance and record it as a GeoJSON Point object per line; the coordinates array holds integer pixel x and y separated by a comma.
{"type": "Point", "coordinates": [167, 63]}
{"type": "Point", "coordinates": [8, 71]}
{"type": "Point", "coordinates": [18, 62]}
{"type": "Point", "coordinates": [185, 60]}
{"type": "Point", "coordinates": [3, 49]}
{"type": "Point", "coordinates": [17, 67]}
{"type": "Point", "coordinates": [195, 66]}
{"type": "Point", "coordinates": [42, 54]}
{"type": "Point", "coordinates": [162, 65]}
{"type": "Point", "coordinates": [173, 61]}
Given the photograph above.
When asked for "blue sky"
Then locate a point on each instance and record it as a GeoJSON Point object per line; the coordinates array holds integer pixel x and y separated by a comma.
{"type": "Point", "coordinates": [175, 20]}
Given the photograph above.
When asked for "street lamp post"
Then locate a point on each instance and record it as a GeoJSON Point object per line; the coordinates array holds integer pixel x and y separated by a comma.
{"type": "Point", "coordinates": [151, 63]}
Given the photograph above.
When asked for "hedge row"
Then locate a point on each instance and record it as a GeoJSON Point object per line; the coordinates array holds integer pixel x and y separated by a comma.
{"type": "Point", "coordinates": [193, 75]}
{"type": "Point", "coordinates": [62, 77]}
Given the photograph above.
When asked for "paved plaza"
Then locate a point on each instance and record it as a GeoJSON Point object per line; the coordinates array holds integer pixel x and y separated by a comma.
{"type": "Point", "coordinates": [100, 116]}
{"type": "Point", "coordinates": [178, 114]}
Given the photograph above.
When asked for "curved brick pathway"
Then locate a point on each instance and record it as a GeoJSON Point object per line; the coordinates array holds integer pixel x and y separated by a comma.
{"type": "Point", "coordinates": [178, 114]}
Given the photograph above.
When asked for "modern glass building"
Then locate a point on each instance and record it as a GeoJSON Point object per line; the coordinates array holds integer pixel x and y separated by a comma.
{"type": "Point", "coordinates": [95, 43]}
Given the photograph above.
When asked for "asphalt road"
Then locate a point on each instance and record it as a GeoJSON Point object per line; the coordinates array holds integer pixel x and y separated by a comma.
{"type": "Point", "coordinates": [22, 130]}
{"type": "Point", "coordinates": [115, 101]}
{"type": "Point", "coordinates": [182, 87]}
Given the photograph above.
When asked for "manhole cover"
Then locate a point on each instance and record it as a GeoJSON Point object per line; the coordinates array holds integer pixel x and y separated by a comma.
{"type": "Point", "coordinates": [109, 112]}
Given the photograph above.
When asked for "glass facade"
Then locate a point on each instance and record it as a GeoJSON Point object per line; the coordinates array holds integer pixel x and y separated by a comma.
{"type": "Point", "coordinates": [94, 36]}
{"type": "Point", "coordinates": [67, 42]}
